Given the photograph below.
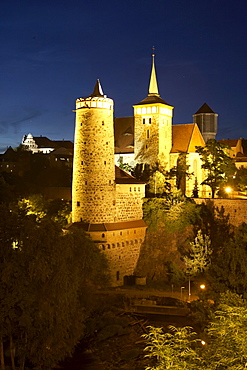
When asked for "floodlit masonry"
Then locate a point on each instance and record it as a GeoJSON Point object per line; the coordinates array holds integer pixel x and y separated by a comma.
{"type": "Point", "coordinates": [106, 201]}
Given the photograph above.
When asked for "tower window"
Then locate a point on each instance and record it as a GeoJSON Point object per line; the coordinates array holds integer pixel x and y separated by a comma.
{"type": "Point", "coordinates": [107, 143]}
{"type": "Point", "coordinates": [146, 146]}
{"type": "Point", "coordinates": [85, 182]}
{"type": "Point", "coordinates": [78, 204]}
{"type": "Point", "coordinates": [82, 162]}
{"type": "Point", "coordinates": [148, 134]}
{"type": "Point", "coordinates": [103, 123]}
{"type": "Point", "coordinates": [103, 235]}
{"type": "Point", "coordinates": [150, 120]}
{"type": "Point", "coordinates": [143, 121]}
{"type": "Point", "coordinates": [118, 276]}
{"type": "Point", "coordinates": [130, 189]}
{"type": "Point", "coordinates": [104, 162]}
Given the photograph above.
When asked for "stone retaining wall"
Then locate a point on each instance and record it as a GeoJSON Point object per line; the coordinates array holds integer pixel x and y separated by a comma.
{"type": "Point", "coordinates": [235, 208]}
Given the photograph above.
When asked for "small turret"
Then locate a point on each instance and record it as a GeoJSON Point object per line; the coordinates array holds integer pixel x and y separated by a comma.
{"type": "Point", "coordinates": [207, 121]}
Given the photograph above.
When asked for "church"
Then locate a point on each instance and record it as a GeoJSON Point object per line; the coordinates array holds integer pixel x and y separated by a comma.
{"type": "Point", "coordinates": [151, 137]}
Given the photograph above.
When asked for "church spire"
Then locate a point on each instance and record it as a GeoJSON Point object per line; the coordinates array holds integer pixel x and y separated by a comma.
{"type": "Point", "coordinates": [153, 85]}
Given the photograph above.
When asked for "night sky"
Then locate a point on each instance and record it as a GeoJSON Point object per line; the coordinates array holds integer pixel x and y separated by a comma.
{"type": "Point", "coordinates": [52, 52]}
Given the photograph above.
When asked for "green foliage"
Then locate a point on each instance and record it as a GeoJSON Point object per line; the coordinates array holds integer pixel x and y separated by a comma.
{"type": "Point", "coordinates": [229, 268]}
{"type": "Point", "coordinates": [173, 350]}
{"type": "Point", "coordinates": [125, 166]}
{"type": "Point", "coordinates": [228, 334]}
{"type": "Point", "coordinates": [176, 275]}
{"type": "Point", "coordinates": [181, 171]}
{"type": "Point", "coordinates": [217, 162]}
{"type": "Point", "coordinates": [241, 178]}
{"type": "Point", "coordinates": [226, 347]}
{"type": "Point", "coordinates": [199, 254]}
{"type": "Point", "coordinates": [46, 286]}
{"type": "Point", "coordinates": [35, 204]}
{"type": "Point", "coordinates": [214, 223]}
{"type": "Point", "coordinates": [155, 177]}
{"type": "Point", "coordinates": [173, 213]}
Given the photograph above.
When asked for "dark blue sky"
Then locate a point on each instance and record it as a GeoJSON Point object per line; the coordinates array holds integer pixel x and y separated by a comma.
{"type": "Point", "coordinates": [53, 51]}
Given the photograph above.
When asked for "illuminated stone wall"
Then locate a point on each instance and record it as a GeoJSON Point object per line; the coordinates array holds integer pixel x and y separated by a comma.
{"type": "Point", "coordinates": [93, 190]}
{"type": "Point", "coordinates": [235, 208]}
{"type": "Point", "coordinates": [122, 249]}
{"type": "Point", "coordinates": [153, 134]}
{"type": "Point", "coordinates": [129, 201]}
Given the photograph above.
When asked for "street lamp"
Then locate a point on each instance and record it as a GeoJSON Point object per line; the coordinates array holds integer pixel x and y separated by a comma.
{"type": "Point", "coordinates": [228, 190]}
{"type": "Point", "coordinates": [202, 286]}
{"type": "Point", "coordinates": [182, 287]}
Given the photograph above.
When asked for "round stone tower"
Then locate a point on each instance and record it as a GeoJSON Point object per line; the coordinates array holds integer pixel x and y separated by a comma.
{"type": "Point", "coordinates": [93, 190]}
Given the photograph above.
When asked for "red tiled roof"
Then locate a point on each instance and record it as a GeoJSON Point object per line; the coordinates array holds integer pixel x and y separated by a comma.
{"type": "Point", "coordinates": [107, 226]}
{"type": "Point", "coordinates": [185, 138]}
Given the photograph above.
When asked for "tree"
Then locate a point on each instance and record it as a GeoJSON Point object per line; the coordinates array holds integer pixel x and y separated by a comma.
{"type": "Point", "coordinates": [217, 163]}
{"type": "Point", "coordinates": [180, 172]}
{"type": "Point", "coordinates": [173, 350]}
{"type": "Point", "coordinates": [46, 281]}
{"type": "Point", "coordinates": [226, 347]}
{"type": "Point", "coordinates": [241, 178]}
{"type": "Point", "coordinates": [228, 334]}
{"type": "Point", "coordinates": [199, 256]}
{"type": "Point", "coordinates": [228, 270]}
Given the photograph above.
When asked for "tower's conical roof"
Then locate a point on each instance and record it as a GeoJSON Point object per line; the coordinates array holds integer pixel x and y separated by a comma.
{"type": "Point", "coordinates": [153, 91]}
{"type": "Point", "coordinates": [98, 91]}
{"type": "Point", "coordinates": [205, 108]}
{"type": "Point", "coordinates": [153, 85]}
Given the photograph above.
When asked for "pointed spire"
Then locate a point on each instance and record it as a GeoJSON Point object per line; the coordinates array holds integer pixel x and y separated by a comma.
{"type": "Point", "coordinates": [153, 85]}
{"type": "Point", "coordinates": [98, 91]}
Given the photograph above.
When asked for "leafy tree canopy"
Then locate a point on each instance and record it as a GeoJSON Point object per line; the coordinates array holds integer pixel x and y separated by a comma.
{"type": "Point", "coordinates": [217, 163]}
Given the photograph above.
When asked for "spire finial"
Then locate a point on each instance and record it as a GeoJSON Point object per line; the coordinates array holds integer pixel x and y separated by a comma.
{"type": "Point", "coordinates": [153, 86]}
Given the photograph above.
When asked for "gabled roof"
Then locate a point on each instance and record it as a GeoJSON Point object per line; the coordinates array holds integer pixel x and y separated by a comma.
{"type": "Point", "coordinates": [185, 138]}
{"type": "Point", "coordinates": [230, 142]}
{"type": "Point", "coordinates": [205, 109]}
{"type": "Point", "coordinates": [122, 177]}
{"type": "Point", "coordinates": [124, 134]}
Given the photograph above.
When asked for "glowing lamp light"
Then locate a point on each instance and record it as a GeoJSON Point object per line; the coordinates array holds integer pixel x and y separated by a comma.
{"type": "Point", "coordinates": [202, 286]}
{"type": "Point", "coordinates": [203, 342]}
{"type": "Point", "coordinates": [228, 190]}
